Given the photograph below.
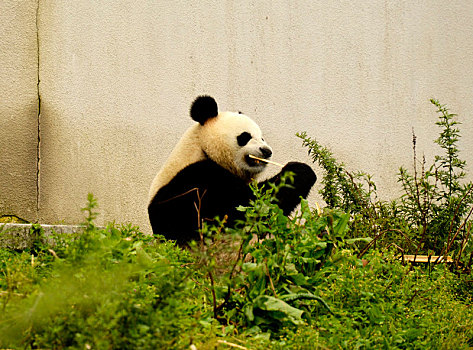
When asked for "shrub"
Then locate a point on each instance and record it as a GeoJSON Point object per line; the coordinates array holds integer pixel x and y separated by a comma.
{"type": "Point", "coordinates": [107, 288]}
{"type": "Point", "coordinates": [299, 285]}
{"type": "Point", "coordinates": [433, 214]}
{"type": "Point", "coordinates": [435, 203]}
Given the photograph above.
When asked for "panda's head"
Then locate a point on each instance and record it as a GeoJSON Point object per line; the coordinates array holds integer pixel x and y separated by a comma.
{"type": "Point", "coordinates": [229, 138]}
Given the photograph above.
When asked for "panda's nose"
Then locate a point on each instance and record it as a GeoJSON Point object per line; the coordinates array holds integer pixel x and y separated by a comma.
{"type": "Point", "coordinates": [266, 152]}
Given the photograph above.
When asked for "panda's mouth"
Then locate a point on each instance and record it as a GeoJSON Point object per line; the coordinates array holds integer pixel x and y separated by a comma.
{"type": "Point", "coordinates": [252, 162]}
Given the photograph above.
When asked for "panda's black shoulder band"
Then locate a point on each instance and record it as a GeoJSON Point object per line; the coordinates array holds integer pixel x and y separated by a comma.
{"type": "Point", "coordinates": [203, 108]}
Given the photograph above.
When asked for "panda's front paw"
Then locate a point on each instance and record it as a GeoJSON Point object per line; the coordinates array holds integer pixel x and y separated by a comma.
{"type": "Point", "coordinates": [304, 176]}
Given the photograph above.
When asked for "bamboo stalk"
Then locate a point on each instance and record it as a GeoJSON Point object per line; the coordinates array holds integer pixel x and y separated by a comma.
{"type": "Point", "coordinates": [265, 160]}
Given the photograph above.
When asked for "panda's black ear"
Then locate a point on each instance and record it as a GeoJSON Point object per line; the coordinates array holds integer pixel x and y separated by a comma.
{"type": "Point", "coordinates": [204, 108]}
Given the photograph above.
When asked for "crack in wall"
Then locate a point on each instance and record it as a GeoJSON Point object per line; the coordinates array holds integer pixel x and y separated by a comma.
{"type": "Point", "coordinates": [38, 92]}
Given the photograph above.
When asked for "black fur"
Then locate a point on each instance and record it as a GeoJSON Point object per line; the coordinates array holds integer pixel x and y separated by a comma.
{"type": "Point", "coordinates": [217, 192]}
{"type": "Point", "coordinates": [243, 138]}
{"type": "Point", "coordinates": [203, 108]}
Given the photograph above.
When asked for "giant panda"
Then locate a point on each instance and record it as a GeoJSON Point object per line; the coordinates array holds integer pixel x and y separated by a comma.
{"type": "Point", "coordinates": [209, 171]}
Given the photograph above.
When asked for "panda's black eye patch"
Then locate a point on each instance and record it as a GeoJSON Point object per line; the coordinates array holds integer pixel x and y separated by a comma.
{"type": "Point", "coordinates": [243, 138]}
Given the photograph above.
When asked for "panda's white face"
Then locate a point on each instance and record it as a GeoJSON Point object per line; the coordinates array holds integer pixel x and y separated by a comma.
{"type": "Point", "coordinates": [227, 138]}
{"type": "Point", "coordinates": [230, 138]}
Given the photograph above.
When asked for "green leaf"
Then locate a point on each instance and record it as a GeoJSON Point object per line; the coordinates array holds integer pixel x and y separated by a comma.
{"type": "Point", "coordinates": [342, 225]}
{"type": "Point", "coordinates": [248, 310]}
{"type": "Point", "coordinates": [299, 279]}
{"type": "Point", "coordinates": [143, 259]}
{"type": "Point", "coordinates": [359, 239]}
{"type": "Point", "coordinates": [281, 310]}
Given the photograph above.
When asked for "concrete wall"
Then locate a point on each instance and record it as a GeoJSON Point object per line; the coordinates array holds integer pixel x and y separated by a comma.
{"type": "Point", "coordinates": [18, 108]}
{"type": "Point", "coordinates": [118, 77]}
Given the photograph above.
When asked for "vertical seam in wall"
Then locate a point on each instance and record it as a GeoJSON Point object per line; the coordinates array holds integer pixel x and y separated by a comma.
{"type": "Point", "coordinates": [38, 92]}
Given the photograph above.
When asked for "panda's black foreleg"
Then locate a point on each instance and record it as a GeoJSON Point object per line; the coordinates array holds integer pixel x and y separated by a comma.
{"type": "Point", "coordinates": [288, 197]}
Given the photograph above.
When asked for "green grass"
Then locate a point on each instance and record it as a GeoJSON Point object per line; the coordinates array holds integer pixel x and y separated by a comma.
{"type": "Point", "coordinates": [117, 288]}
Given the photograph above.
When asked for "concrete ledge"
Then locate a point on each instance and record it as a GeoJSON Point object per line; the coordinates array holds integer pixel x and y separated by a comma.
{"type": "Point", "coordinates": [22, 236]}
{"type": "Point", "coordinates": [427, 259]}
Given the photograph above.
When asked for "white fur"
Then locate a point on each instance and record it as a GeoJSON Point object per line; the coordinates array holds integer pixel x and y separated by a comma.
{"type": "Point", "coordinates": [186, 152]}
{"type": "Point", "coordinates": [217, 139]}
